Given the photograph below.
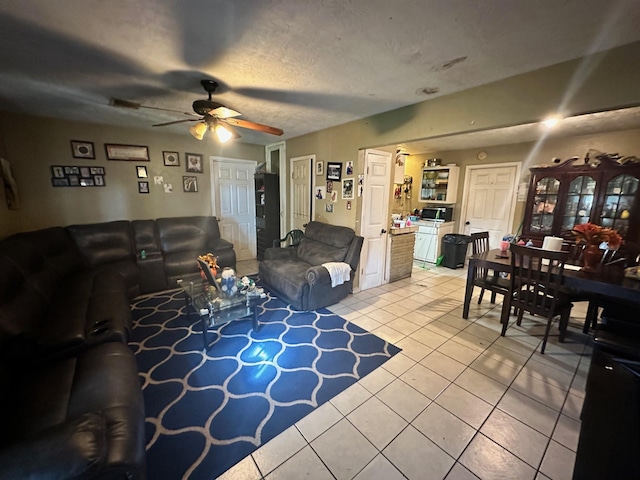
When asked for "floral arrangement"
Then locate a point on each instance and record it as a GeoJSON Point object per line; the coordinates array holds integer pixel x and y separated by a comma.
{"type": "Point", "coordinates": [211, 260]}
{"type": "Point", "coordinates": [592, 234]}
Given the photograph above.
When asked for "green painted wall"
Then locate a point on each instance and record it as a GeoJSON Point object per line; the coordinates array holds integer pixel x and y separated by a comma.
{"type": "Point", "coordinates": [34, 144]}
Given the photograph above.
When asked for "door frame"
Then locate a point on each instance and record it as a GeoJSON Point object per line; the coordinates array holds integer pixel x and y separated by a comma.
{"type": "Point", "coordinates": [312, 176]}
{"type": "Point", "coordinates": [465, 190]}
{"type": "Point", "coordinates": [213, 180]}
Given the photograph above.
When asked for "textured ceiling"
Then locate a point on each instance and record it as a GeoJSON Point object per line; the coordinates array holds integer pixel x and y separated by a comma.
{"type": "Point", "coordinates": [300, 65]}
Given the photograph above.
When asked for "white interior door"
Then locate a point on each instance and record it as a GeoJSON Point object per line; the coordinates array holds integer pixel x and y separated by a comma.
{"type": "Point", "coordinates": [301, 168]}
{"type": "Point", "coordinates": [489, 200]}
{"type": "Point", "coordinates": [233, 201]}
{"type": "Point", "coordinates": [375, 217]}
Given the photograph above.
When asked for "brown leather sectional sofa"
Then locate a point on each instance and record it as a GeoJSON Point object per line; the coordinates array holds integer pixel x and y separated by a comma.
{"type": "Point", "coordinates": [70, 395]}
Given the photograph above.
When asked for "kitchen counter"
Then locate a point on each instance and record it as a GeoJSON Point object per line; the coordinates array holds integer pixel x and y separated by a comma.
{"type": "Point", "coordinates": [403, 230]}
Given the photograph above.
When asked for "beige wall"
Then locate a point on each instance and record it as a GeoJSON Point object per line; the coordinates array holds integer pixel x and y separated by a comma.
{"type": "Point", "coordinates": [516, 100]}
{"type": "Point", "coordinates": [33, 144]}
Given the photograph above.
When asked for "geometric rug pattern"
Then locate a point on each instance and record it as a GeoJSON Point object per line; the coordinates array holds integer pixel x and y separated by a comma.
{"type": "Point", "coordinates": [205, 411]}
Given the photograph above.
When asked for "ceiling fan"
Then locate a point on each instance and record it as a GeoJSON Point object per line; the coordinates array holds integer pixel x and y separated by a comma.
{"type": "Point", "coordinates": [210, 115]}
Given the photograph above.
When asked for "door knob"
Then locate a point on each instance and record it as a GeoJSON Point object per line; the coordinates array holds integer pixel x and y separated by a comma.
{"type": "Point", "coordinates": [467, 223]}
{"type": "Point", "coordinates": [383, 231]}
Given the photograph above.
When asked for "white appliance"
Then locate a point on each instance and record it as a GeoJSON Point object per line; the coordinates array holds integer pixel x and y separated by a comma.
{"type": "Point", "coordinates": [429, 239]}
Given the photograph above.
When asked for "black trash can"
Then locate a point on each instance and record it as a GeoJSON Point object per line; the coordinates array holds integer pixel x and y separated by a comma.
{"type": "Point", "coordinates": [454, 249]}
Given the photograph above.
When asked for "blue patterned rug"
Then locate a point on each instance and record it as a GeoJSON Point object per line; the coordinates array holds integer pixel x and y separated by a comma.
{"type": "Point", "coordinates": [207, 411]}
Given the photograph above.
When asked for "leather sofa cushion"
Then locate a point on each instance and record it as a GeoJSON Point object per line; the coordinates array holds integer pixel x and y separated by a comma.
{"type": "Point", "coordinates": [183, 234]}
{"type": "Point", "coordinates": [324, 243]}
{"type": "Point", "coordinates": [144, 236]}
{"type": "Point", "coordinates": [102, 243]}
{"type": "Point", "coordinates": [58, 248]}
{"type": "Point", "coordinates": [287, 276]}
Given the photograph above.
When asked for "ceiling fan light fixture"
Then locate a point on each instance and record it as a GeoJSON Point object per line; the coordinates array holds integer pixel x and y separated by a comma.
{"type": "Point", "coordinates": [223, 134]}
{"type": "Point", "coordinates": [551, 121]}
{"type": "Point", "coordinates": [198, 130]}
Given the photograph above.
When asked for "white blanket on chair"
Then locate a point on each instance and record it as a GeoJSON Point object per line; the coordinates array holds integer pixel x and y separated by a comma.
{"type": "Point", "coordinates": [339, 272]}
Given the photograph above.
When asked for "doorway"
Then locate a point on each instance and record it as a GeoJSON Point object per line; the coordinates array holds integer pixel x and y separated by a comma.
{"type": "Point", "coordinates": [375, 218]}
{"type": "Point", "coordinates": [489, 198]}
{"type": "Point", "coordinates": [300, 192]}
{"type": "Point", "coordinates": [275, 156]}
{"type": "Point", "coordinates": [233, 202]}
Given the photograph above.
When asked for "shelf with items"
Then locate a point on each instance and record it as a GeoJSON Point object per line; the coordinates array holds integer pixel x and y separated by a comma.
{"type": "Point", "coordinates": [267, 211]}
{"type": "Point", "coordinates": [439, 184]}
{"type": "Point", "coordinates": [562, 196]}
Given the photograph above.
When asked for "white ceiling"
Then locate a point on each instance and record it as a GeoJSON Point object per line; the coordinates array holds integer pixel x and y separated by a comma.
{"type": "Point", "coordinates": [300, 65]}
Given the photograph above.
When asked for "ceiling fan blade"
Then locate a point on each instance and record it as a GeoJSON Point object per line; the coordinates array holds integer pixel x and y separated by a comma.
{"type": "Point", "coordinates": [118, 102]}
{"type": "Point", "coordinates": [253, 126]}
{"type": "Point", "coordinates": [177, 121]}
{"type": "Point", "coordinates": [224, 112]}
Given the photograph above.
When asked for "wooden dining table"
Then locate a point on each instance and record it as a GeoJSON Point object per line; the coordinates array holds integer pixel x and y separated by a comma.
{"type": "Point", "coordinates": [607, 281]}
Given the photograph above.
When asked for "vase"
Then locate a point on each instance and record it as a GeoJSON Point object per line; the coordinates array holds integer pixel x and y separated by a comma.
{"type": "Point", "coordinates": [591, 256]}
{"type": "Point", "coordinates": [228, 282]}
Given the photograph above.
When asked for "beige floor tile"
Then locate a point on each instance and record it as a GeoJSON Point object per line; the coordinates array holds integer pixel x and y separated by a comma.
{"type": "Point", "coordinates": [417, 457]}
{"type": "Point", "coordinates": [539, 390]}
{"type": "Point", "coordinates": [573, 406]}
{"type": "Point", "coordinates": [529, 411]}
{"type": "Point", "coordinates": [495, 369]}
{"type": "Point", "coordinates": [418, 317]}
{"type": "Point", "coordinates": [426, 381]}
{"type": "Point", "coordinates": [377, 422]}
{"type": "Point", "coordinates": [319, 421]}
{"type": "Point", "coordinates": [442, 328]}
{"type": "Point", "coordinates": [380, 469]}
{"type": "Point", "coordinates": [304, 464]}
{"type": "Point", "coordinates": [414, 349]}
{"type": "Point", "coordinates": [443, 365]}
{"type": "Point", "coordinates": [558, 462]}
{"type": "Point", "coordinates": [428, 338]}
{"type": "Point", "coordinates": [464, 405]}
{"type": "Point", "coordinates": [365, 322]}
{"type": "Point", "coordinates": [481, 386]}
{"type": "Point", "coordinates": [471, 341]}
{"type": "Point", "coordinates": [459, 472]}
{"type": "Point", "coordinates": [243, 470]}
{"type": "Point", "coordinates": [518, 438]}
{"type": "Point", "coordinates": [403, 399]}
{"type": "Point", "coordinates": [389, 334]}
{"type": "Point", "coordinates": [403, 326]}
{"type": "Point", "coordinates": [398, 364]}
{"type": "Point", "coordinates": [279, 449]}
{"type": "Point", "coordinates": [444, 429]}
{"type": "Point", "coordinates": [567, 432]}
{"type": "Point", "coordinates": [377, 380]}
{"type": "Point", "coordinates": [490, 461]}
{"type": "Point", "coordinates": [455, 321]}
{"type": "Point", "coordinates": [349, 399]}
{"type": "Point", "coordinates": [332, 445]}
{"type": "Point", "coordinates": [558, 376]}
{"type": "Point", "coordinates": [459, 352]}
{"type": "Point", "coordinates": [506, 356]}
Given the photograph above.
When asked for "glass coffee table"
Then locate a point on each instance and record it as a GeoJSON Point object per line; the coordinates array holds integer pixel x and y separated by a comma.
{"type": "Point", "coordinates": [215, 309]}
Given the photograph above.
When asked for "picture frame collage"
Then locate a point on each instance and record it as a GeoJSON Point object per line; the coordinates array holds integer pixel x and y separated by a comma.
{"type": "Point", "coordinates": [335, 182]}
{"type": "Point", "coordinates": [86, 176]}
{"type": "Point", "coordinates": [77, 176]}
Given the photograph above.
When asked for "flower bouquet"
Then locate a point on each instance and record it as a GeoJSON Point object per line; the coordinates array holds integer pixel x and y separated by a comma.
{"type": "Point", "coordinates": [591, 236]}
{"type": "Point", "coordinates": [211, 261]}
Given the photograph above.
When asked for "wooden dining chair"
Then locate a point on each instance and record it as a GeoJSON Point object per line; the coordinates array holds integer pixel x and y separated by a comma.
{"type": "Point", "coordinates": [485, 278]}
{"type": "Point", "coordinates": [536, 286]}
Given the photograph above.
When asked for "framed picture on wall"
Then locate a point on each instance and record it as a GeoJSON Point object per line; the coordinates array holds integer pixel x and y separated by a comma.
{"type": "Point", "coordinates": [334, 171]}
{"type": "Point", "coordinates": [190, 184]}
{"type": "Point", "coordinates": [320, 168]}
{"type": "Point", "coordinates": [81, 149]}
{"type": "Point", "coordinates": [131, 153]}
{"type": "Point", "coordinates": [347, 189]}
{"type": "Point", "coordinates": [171, 159]}
{"type": "Point", "coordinates": [143, 187]}
{"type": "Point", "coordinates": [193, 162]}
{"type": "Point", "coordinates": [141, 170]}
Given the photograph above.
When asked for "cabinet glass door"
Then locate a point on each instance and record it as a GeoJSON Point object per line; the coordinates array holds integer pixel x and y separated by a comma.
{"type": "Point", "coordinates": [544, 205]}
{"type": "Point", "coordinates": [621, 191]}
{"type": "Point", "coordinates": [579, 202]}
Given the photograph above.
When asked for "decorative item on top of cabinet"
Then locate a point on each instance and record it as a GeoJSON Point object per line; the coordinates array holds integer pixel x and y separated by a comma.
{"type": "Point", "coordinates": [601, 190]}
{"type": "Point", "coordinates": [439, 184]}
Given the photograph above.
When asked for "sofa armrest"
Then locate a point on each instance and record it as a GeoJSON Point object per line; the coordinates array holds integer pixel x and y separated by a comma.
{"type": "Point", "coordinates": [280, 253]}
{"type": "Point", "coordinates": [219, 244]}
{"type": "Point", "coordinates": [318, 275]}
{"type": "Point", "coordinates": [75, 449]}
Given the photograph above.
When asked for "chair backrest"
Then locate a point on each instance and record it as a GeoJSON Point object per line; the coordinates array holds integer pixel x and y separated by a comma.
{"type": "Point", "coordinates": [479, 242]}
{"type": "Point", "coordinates": [625, 256]}
{"type": "Point", "coordinates": [536, 278]}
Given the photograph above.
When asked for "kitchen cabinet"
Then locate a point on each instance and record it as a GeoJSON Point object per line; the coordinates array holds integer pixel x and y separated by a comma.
{"type": "Point", "coordinates": [428, 244]}
{"type": "Point", "coordinates": [267, 192]}
{"type": "Point", "coordinates": [603, 192]}
{"type": "Point", "coordinates": [439, 184]}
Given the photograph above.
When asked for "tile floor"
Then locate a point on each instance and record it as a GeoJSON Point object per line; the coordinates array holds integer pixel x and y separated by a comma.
{"type": "Point", "coordinates": [459, 402]}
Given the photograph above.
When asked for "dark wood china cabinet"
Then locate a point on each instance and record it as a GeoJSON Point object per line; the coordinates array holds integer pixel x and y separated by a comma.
{"type": "Point", "coordinates": [603, 191]}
